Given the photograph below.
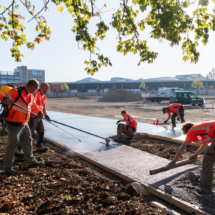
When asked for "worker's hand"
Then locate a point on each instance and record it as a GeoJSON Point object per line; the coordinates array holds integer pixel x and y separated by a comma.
{"type": "Point", "coordinates": [40, 115]}
{"type": "Point", "coordinates": [165, 121]}
{"type": "Point", "coordinates": [118, 122]}
{"type": "Point", "coordinates": [172, 163]}
{"type": "Point", "coordinates": [193, 157]}
{"type": "Point", "coordinates": [48, 118]}
{"type": "Point", "coordinates": [178, 118]}
{"type": "Point", "coordinates": [8, 101]}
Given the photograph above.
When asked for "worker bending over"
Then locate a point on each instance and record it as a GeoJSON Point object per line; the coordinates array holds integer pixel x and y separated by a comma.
{"type": "Point", "coordinates": [177, 110]}
{"type": "Point", "coordinates": [200, 134]}
{"type": "Point", "coordinates": [18, 130]}
{"type": "Point", "coordinates": [129, 129]}
{"type": "Point", "coordinates": [35, 123]}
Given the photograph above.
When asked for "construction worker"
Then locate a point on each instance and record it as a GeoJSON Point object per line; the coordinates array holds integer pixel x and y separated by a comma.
{"type": "Point", "coordinates": [129, 129]}
{"type": "Point", "coordinates": [203, 134]}
{"type": "Point", "coordinates": [177, 110]}
{"type": "Point", "coordinates": [35, 123]}
{"type": "Point", "coordinates": [17, 124]}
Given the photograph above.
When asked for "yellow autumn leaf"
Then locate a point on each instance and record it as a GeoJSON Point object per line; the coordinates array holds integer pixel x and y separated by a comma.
{"type": "Point", "coordinates": [22, 55]}
{"type": "Point", "coordinates": [0, 6]}
{"type": "Point", "coordinates": [4, 8]}
{"type": "Point", "coordinates": [41, 40]}
{"type": "Point", "coordinates": [105, 6]}
{"type": "Point", "coordinates": [60, 9]}
{"type": "Point", "coordinates": [88, 17]}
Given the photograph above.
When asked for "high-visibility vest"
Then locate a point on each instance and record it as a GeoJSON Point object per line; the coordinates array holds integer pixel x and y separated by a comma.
{"type": "Point", "coordinates": [204, 132]}
{"type": "Point", "coordinates": [131, 121]}
{"type": "Point", "coordinates": [40, 100]}
{"type": "Point", "coordinates": [16, 115]}
{"type": "Point", "coordinates": [171, 108]}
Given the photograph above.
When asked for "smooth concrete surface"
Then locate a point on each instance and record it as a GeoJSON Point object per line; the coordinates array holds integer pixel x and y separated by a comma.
{"type": "Point", "coordinates": [99, 126]}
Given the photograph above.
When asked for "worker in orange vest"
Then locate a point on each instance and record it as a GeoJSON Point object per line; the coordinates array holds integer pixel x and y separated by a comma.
{"type": "Point", "coordinates": [36, 123]}
{"type": "Point", "coordinates": [129, 129]}
{"type": "Point", "coordinates": [203, 134]}
{"type": "Point", "coordinates": [17, 124]}
{"type": "Point", "coordinates": [177, 110]}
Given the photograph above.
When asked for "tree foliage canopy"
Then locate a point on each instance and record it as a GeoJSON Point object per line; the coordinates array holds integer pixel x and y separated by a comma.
{"type": "Point", "coordinates": [197, 84]}
{"type": "Point", "coordinates": [168, 19]}
{"type": "Point", "coordinates": [64, 87]}
{"type": "Point", "coordinates": [142, 86]}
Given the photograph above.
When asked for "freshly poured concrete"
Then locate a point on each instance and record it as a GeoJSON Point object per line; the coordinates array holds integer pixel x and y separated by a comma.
{"type": "Point", "coordinates": [125, 160]}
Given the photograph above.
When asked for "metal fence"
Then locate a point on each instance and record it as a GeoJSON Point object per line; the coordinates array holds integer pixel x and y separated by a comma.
{"type": "Point", "coordinates": [83, 94]}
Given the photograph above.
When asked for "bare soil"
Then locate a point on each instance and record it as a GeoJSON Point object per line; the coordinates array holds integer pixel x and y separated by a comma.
{"type": "Point", "coordinates": [142, 111]}
{"type": "Point", "coordinates": [66, 186]}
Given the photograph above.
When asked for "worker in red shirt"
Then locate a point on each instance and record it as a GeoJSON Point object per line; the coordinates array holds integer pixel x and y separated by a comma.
{"type": "Point", "coordinates": [177, 110]}
{"type": "Point", "coordinates": [203, 134]}
{"type": "Point", "coordinates": [129, 129]}
{"type": "Point", "coordinates": [36, 123]}
{"type": "Point", "coordinates": [17, 124]}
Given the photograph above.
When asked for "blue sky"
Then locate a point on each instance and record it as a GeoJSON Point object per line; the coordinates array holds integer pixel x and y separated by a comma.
{"type": "Point", "coordinates": [63, 60]}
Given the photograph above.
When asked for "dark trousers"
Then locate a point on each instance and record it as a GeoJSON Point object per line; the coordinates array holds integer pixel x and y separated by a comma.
{"type": "Point", "coordinates": [181, 114]}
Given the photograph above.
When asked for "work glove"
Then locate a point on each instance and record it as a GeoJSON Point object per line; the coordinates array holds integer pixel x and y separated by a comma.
{"type": "Point", "coordinates": [172, 163]}
{"type": "Point", "coordinates": [178, 118]}
{"type": "Point", "coordinates": [165, 121]}
{"type": "Point", "coordinates": [118, 122]}
{"type": "Point", "coordinates": [48, 118]}
{"type": "Point", "coordinates": [193, 157]}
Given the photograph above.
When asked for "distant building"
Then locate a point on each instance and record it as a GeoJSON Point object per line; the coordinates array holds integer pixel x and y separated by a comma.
{"type": "Point", "coordinates": [22, 75]}
{"type": "Point", "coordinates": [120, 79]}
{"type": "Point", "coordinates": [190, 76]}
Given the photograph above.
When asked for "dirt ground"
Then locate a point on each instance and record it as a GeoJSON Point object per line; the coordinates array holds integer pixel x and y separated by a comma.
{"type": "Point", "coordinates": [145, 111]}
{"type": "Point", "coordinates": [67, 186]}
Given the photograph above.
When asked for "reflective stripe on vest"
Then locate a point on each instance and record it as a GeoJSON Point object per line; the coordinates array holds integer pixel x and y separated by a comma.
{"type": "Point", "coordinates": [207, 128]}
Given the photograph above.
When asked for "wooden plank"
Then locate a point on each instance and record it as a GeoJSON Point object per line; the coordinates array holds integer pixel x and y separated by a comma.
{"type": "Point", "coordinates": [164, 208]}
{"type": "Point", "coordinates": [177, 164]}
{"type": "Point", "coordinates": [171, 140]}
{"type": "Point", "coordinates": [165, 196]}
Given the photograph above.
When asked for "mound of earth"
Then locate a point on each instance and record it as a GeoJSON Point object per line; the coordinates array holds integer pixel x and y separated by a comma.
{"type": "Point", "coordinates": [121, 96]}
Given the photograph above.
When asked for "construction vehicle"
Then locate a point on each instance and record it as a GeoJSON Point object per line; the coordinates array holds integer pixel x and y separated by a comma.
{"type": "Point", "coordinates": [163, 94]}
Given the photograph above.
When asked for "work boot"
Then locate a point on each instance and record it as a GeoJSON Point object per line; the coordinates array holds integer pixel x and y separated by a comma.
{"type": "Point", "coordinates": [207, 179]}
{"type": "Point", "coordinates": [41, 148]}
{"type": "Point", "coordinates": [19, 152]}
{"type": "Point", "coordinates": [11, 172]}
{"type": "Point", "coordinates": [36, 164]}
{"type": "Point", "coordinates": [130, 137]}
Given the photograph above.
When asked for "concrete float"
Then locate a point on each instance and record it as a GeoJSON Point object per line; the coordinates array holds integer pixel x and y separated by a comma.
{"type": "Point", "coordinates": [125, 162]}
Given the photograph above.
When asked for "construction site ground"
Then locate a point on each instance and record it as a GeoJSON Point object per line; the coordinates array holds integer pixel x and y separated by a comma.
{"type": "Point", "coordinates": [68, 186]}
{"type": "Point", "coordinates": [143, 111]}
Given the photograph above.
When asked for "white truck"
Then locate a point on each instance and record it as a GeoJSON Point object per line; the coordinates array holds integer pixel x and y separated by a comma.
{"type": "Point", "coordinates": [163, 94]}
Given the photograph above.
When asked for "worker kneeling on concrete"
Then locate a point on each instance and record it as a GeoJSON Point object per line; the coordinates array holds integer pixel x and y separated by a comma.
{"type": "Point", "coordinates": [177, 110]}
{"type": "Point", "coordinates": [35, 123]}
{"type": "Point", "coordinates": [129, 129]}
{"type": "Point", "coordinates": [18, 130]}
{"type": "Point", "coordinates": [203, 134]}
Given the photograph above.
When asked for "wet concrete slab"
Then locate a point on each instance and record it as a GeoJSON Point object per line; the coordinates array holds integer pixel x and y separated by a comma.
{"type": "Point", "coordinates": [99, 126]}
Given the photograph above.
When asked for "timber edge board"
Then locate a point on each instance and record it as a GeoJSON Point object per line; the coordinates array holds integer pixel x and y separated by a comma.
{"type": "Point", "coordinates": [165, 196]}
{"type": "Point", "coordinates": [171, 140]}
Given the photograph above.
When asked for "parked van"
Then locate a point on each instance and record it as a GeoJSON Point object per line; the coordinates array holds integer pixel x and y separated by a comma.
{"type": "Point", "coordinates": [184, 97]}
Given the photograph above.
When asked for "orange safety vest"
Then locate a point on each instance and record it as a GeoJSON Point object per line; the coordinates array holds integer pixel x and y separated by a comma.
{"type": "Point", "coordinates": [202, 133]}
{"type": "Point", "coordinates": [172, 107]}
{"type": "Point", "coordinates": [131, 121]}
{"type": "Point", "coordinates": [16, 115]}
{"type": "Point", "coordinates": [40, 100]}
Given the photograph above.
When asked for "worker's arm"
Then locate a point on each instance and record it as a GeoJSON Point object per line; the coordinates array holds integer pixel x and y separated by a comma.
{"type": "Point", "coordinates": [177, 112]}
{"type": "Point", "coordinates": [44, 111]}
{"type": "Point", "coordinates": [36, 110]}
{"type": "Point", "coordinates": [201, 149]}
{"type": "Point", "coordinates": [180, 151]}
